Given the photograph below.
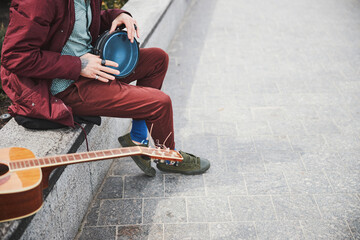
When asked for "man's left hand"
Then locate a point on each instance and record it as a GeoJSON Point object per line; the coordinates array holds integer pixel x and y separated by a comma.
{"type": "Point", "coordinates": [130, 24]}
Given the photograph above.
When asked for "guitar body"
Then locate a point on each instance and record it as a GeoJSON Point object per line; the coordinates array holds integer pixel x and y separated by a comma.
{"type": "Point", "coordinates": [20, 191]}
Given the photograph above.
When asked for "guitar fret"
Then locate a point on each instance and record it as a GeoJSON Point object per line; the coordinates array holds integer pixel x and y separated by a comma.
{"type": "Point", "coordinates": [31, 162]}
{"type": "Point", "coordinates": [125, 150]}
{"type": "Point", "coordinates": [58, 159]}
{"type": "Point", "coordinates": [36, 162]}
{"type": "Point", "coordinates": [99, 154]}
{"type": "Point", "coordinates": [77, 156]}
{"type": "Point", "coordinates": [12, 165]}
{"type": "Point", "coordinates": [18, 165]}
{"type": "Point", "coordinates": [157, 152]}
{"type": "Point", "coordinates": [107, 153]}
{"type": "Point", "coordinates": [26, 163]}
{"type": "Point", "coordinates": [84, 156]}
{"type": "Point", "coordinates": [64, 158]}
{"type": "Point", "coordinates": [116, 151]}
{"type": "Point", "coordinates": [92, 155]}
{"type": "Point", "coordinates": [71, 158]}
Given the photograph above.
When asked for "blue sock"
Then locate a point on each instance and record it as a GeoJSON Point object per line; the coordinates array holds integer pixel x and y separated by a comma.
{"type": "Point", "coordinates": [139, 131]}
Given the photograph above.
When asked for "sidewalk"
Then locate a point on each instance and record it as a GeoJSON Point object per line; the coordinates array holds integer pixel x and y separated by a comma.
{"type": "Point", "coordinates": [269, 91]}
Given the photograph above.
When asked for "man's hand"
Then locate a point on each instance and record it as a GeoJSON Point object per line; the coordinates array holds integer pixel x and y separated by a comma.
{"type": "Point", "coordinates": [130, 24]}
{"type": "Point", "coordinates": [91, 67]}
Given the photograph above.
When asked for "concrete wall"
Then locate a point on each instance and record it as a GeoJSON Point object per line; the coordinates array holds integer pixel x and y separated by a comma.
{"type": "Point", "coordinates": [72, 187]}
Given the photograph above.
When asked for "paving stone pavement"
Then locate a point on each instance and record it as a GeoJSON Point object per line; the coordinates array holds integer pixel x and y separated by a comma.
{"type": "Point", "coordinates": [268, 91]}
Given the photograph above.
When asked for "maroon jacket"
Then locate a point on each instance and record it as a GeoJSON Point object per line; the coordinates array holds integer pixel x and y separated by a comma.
{"type": "Point", "coordinates": [31, 57]}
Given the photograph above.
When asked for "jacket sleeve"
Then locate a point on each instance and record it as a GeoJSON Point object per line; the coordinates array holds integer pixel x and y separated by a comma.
{"type": "Point", "coordinates": [23, 53]}
{"type": "Point", "coordinates": [107, 16]}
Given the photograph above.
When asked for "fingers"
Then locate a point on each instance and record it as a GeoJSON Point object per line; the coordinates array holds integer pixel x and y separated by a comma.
{"type": "Point", "coordinates": [100, 78]}
{"type": "Point", "coordinates": [130, 24]}
{"type": "Point", "coordinates": [110, 71]}
{"type": "Point", "coordinates": [113, 27]}
{"type": "Point", "coordinates": [104, 62]}
{"type": "Point", "coordinates": [137, 31]}
{"type": "Point", "coordinates": [93, 66]}
{"type": "Point", "coordinates": [131, 32]}
{"type": "Point", "coordinates": [105, 72]}
{"type": "Point", "coordinates": [134, 30]}
{"type": "Point", "coordinates": [104, 77]}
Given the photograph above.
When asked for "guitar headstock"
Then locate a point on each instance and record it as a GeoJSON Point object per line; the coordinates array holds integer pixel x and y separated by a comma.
{"type": "Point", "coordinates": [161, 154]}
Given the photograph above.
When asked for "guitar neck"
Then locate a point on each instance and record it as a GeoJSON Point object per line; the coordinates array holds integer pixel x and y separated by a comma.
{"type": "Point", "coordinates": [73, 158]}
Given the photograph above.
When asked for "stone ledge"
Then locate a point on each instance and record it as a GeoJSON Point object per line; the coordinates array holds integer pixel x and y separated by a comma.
{"type": "Point", "coordinates": [72, 187]}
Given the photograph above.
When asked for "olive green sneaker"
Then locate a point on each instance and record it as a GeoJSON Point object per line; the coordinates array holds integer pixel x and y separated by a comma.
{"type": "Point", "coordinates": [143, 163]}
{"type": "Point", "coordinates": [190, 165]}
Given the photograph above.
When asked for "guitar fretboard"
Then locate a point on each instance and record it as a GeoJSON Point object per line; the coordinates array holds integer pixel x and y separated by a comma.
{"type": "Point", "coordinates": [93, 156]}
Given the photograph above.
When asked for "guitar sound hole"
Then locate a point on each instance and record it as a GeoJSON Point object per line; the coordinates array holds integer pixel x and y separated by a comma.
{"type": "Point", "coordinates": [3, 169]}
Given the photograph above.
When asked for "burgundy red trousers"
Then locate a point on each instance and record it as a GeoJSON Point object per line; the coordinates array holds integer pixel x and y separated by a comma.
{"type": "Point", "coordinates": [89, 97]}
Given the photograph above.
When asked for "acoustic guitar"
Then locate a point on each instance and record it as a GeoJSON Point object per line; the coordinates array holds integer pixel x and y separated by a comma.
{"type": "Point", "coordinates": [23, 177]}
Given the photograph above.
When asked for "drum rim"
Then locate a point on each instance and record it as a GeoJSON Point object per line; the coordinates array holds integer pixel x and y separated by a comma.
{"type": "Point", "coordinates": [102, 39]}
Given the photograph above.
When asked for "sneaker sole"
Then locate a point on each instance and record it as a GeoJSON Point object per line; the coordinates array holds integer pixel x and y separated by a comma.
{"type": "Point", "coordinates": [196, 172]}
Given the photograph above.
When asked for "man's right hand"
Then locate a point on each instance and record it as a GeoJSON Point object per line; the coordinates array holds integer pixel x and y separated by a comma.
{"type": "Point", "coordinates": [91, 68]}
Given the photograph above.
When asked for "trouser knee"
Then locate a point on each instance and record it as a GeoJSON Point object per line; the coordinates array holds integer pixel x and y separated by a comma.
{"type": "Point", "coordinates": [165, 101]}
{"type": "Point", "coordinates": [162, 57]}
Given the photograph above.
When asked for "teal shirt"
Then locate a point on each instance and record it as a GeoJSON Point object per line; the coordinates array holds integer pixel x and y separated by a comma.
{"type": "Point", "coordinates": [79, 41]}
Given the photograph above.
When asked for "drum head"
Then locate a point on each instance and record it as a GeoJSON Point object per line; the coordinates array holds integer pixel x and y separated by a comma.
{"type": "Point", "coordinates": [119, 49]}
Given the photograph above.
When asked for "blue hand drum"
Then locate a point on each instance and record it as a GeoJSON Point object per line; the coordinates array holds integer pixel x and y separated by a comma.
{"type": "Point", "coordinates": [118, 48]}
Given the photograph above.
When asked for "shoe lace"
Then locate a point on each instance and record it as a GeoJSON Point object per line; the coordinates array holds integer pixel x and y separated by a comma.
{"type": "Point", "coordinates": [189, 159]}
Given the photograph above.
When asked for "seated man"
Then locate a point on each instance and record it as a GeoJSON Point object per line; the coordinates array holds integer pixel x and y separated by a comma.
{"type": "Point", "coordinates": [49, 72]}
